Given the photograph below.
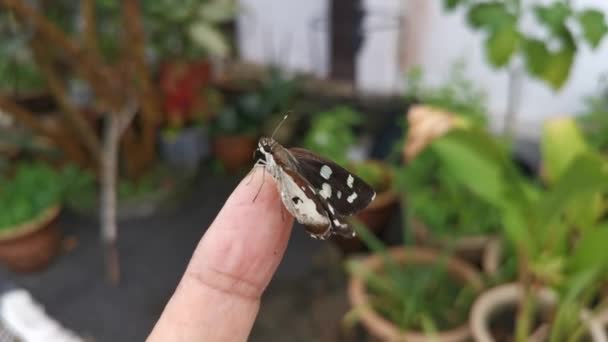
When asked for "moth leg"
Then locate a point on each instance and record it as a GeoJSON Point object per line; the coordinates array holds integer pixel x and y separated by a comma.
{"type": "Point", "coordinates": [261, 185]}
{"type": "Point", "coordinates": [258, 163]}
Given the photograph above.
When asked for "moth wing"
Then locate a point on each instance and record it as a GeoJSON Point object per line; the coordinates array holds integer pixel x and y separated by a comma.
{"type": "Point", "coordinates": [344, 191]}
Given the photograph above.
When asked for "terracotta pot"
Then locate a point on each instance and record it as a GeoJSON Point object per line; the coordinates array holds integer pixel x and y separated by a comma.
{"type": "Point", "coordinates": [497, 299]}
{"type": "Point", "coordinates": [32, 245]}
{"type": "Point", "coordinates": [234, 151]}
{"type": "Point", "coordinates": [483, 251]}
{"type": "Point", "coordinates": [385, 330]}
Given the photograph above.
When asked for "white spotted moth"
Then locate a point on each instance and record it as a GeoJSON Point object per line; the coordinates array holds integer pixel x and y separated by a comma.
{"type": "Point", "coordinates": [317, 192]}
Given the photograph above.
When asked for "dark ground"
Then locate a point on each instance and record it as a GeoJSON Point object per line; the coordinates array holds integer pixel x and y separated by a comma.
{"type": "Point", "coordinates": [305, 301]}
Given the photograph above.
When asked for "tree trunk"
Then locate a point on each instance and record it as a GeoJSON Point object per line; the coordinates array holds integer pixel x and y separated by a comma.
{"type": "Point", "coordinates": [109, 170]}
{"type": "Point", "coordinates": [114, 127]}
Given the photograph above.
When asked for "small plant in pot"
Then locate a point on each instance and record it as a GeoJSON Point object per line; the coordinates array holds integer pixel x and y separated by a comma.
{"type": "Point", "coordinates": [557, 231]}
{"type": "Point", "coordinates": [30, 201]}
{"type": "Point", "coordinates": [245, 116]}
{"type": "Point", "coordinates": [331, 135]}
{"type": "Point", "coordinates": [440, 211]}
{"type": "Point", "coordinates": [411, 293]}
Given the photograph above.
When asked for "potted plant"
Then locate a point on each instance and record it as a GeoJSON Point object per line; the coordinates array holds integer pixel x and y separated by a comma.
{"type": "Point", "coordinates": [556, 230]}
{"type": "Point", "coordinates": [411, 293]}
{"type": "Point", "coordinates": [331, 135]}
{"type": "Point", "coordinates": [246, 115]}
{"type": "Point", "coordinates": [186, 72]}
{"type": "Point", "coordinates": [30, 201]}
{"type": "Point", "coordinates": [440, 211]}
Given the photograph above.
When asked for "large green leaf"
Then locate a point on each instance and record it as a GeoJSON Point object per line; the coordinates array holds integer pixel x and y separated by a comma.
{"type": "Point", "coordinates": [557, 68]}
{"type": "Point", "coordinates": [501, 44]}
{"type": "Point", "coordinates": [594, 26]}
{"type": "Point", "coordinates": [473, 159]}
{"type": "Point", "coordinates": [586, 174]}
{"type": "Point", "coordinates": [536, 54]}
{"type": "Point", "coordinates": [561, 143]}
{"type": "Point", "coordinates": [553, 15]}
{"type": "Point", "coordinates": [490, 16]}
{"type": "Point", "coordinates": [591, 249]}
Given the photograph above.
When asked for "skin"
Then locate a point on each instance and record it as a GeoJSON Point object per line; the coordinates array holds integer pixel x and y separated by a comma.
{"type": "Point", "coordinates": [218, 296]}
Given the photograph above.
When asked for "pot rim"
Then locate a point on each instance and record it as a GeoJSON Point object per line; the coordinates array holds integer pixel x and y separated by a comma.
{"type": "Point", "coordinates": [506, 294]}
{"type": "Point", "coordinates": [30, 226]}
{"type": "Point", "coordinates": [386, 330]}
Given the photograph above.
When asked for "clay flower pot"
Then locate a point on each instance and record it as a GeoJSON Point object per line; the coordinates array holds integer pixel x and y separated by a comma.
{"type": "Point", "coordinates": [234, 151]}
{"type": "Point", "coordinates": [32, 245]}
{"type": "Point", "coordinates": [502, 297]}
{"type": "Point", "coordinates": [483, 251]}
{"type": "Point", "coordinates": [383, 329]}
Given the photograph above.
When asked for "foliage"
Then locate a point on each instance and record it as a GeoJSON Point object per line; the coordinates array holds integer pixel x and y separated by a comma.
{"type": "Point", "coordinates": [432, 194]}
{"type": "Point", "coordinates": [246, 113]}
{"type": "Point", "coordinates": [414, 297]}
{"type": "Point", "coordinates": [30, 189]}
{"type": "Point", "coordinates": [18, 72]}
{"type": "Point", "coordinates": [188, 27]}
{"type": "Point", "coordinates": [331, 133]}
{"type": "Point", "coordinates": [457, 94]}
{"type": "Point", "coordinates": [555, 228]}
{"type": "Point", "coordinates": [548, 56]}
{"type": "Point", "coordinates": [594, 120]}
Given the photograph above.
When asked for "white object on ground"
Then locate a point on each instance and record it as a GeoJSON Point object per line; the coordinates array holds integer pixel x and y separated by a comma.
{"type": "Point", "coordinates": [27, 320]}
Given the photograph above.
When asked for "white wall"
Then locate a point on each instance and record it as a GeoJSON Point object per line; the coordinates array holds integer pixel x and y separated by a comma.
{"type": "Point", "coordinates": [280, 31]}
{"type": "Point", "coordinates": [446, 38]}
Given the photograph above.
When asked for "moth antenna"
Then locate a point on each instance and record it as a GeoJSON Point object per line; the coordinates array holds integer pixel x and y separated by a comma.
{"type": "Point", "coordinates": [279, 125]}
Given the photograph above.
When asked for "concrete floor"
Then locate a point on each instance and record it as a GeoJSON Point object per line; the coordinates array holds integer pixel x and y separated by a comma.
{"type": "Point", "coordinates": [307, 289]}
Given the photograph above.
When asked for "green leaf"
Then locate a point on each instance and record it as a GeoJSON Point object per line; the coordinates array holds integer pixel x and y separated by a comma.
{"type": "Point", "coordinates": [536, 54]}
{"type": "Point", "coordinates": [209, 38]}
{"type": "Point", "coordinates": [452, 4]}
{"type": "Point", "coordinates": [553, 16]}
{"type": "Point", "coordinates": [586, 174]}
{"type": "Point", "coordinates": [557, 68]}
{"type": "Point", "coordinates": [471, 160]}
{"type": "Point", "coordinates": [591, 249]}
{"type": "Point", "coordinates": [594, 26]}
{"type": "Point", "coordinates": [561, 143]}
{"type": "Point", "coordinates": [490, 16]}
{"type": "Point", "coordinates": [501, 44]}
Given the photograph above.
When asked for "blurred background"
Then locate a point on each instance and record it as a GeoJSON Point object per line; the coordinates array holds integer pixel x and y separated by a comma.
{"type": "Point", "coordinates": [481, 124]}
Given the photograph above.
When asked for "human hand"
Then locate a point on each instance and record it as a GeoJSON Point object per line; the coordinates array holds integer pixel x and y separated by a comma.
{"type": "Point", "coordinates": [219, 294]}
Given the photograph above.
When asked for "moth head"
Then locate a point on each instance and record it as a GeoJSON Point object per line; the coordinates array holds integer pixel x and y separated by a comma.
{"type": "Point", "coordinates": [266, 144]}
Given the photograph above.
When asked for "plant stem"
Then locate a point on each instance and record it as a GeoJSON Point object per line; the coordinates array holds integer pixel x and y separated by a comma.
{"type": "Point", "coordinates": [524, 317]}
{"type": "Point", "coordinates": [513, 99]}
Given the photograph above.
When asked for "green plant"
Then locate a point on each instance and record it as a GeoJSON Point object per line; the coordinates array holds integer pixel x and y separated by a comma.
{"type": "Point", "coordinates": [594, 120]}
{"type": "Point", "coordinates": [548, 54]}
{"type": "Point", "coordinates": [433, 197]}
{"type": "Point", "coordinates": [199, 22]}
{"type": "Point", "coordinates": [247, 113]}
{"type": "Point", "coordinates": [30, 189]}
{"type": "Point", "coordinates": [555, 229]}
{"type": "Point", "coordinates": [18, 72]}
{"type": "Point", "coordinates": [457, 94]}
{"type": "Point", "coordinates": [413, 297]}
{"type": "Point", "coordinates": [331, 133]}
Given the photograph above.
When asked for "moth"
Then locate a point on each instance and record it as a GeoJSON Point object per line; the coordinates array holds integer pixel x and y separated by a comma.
{"type": "Point", "coordinates": [319, 193]}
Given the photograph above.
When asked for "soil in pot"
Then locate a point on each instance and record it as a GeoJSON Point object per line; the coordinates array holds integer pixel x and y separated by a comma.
{"type": "Point", "coordinates": [234, 151]}
{"type": "Point", "coordinates": [33, 245]}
